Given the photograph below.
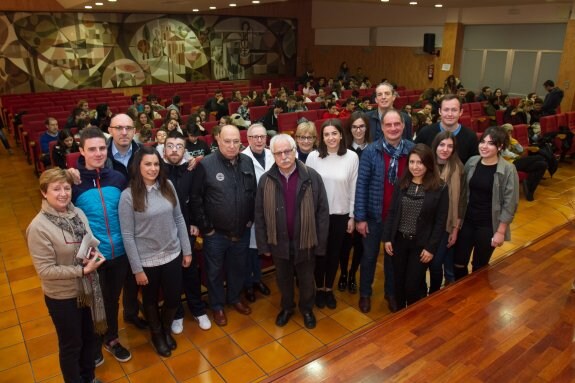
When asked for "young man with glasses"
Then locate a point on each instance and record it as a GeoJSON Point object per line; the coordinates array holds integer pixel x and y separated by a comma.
{"type": "Point", "coordinates": [263, 160]}
{"type": "Point", "coordinates": [222, 206]}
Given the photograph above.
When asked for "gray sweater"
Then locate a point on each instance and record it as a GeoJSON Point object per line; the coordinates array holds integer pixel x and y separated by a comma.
{"type": "Point", "coordinates": [157, 235]}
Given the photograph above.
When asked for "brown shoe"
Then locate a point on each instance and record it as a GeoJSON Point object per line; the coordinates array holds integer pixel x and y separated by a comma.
{"type": "Point", "coordinates": [364, 304]}
{"type": "Point", "coordinates": [242, 308]}
{"type": "Point", "coordinates": [220, 317]}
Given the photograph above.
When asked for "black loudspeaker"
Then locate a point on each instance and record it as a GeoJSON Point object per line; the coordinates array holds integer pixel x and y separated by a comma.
{"type": "Point", "coordinates": [429, 43]}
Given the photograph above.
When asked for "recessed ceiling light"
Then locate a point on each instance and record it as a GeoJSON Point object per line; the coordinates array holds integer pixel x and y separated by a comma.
{"type": "Point", "coordinates": [212, 7]}
{"type": "Point", "coordinates": [111, 1]}
{"type": "Point", "coordinates": [195, 10]}
{"type": "Point", "coordinates": [88, 6]}
{"type": "Point", "coordinates": [413, 3]}
{"type": "Point", "coordinates": [438, 5]}
{"type": "Point", "coordinates": [385, 1]}
{"type": "Point", "coordinates": [99, 4]}
{"type": "Point", "coordinates": [255, 1]}
{"type": "Point", "coordinates": [232, 5]}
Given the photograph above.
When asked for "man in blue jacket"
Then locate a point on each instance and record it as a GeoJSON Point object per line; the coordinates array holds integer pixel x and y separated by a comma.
{"type": "Point", "coordinates": [381, 165]}
{"type": "Point", "coordinates": [98, 195]}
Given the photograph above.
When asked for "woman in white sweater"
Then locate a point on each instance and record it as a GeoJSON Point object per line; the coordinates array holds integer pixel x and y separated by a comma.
{"type": "Point", "coordinates": [338, 168]}
{"type": "Point", "coordinates": [155, 236]}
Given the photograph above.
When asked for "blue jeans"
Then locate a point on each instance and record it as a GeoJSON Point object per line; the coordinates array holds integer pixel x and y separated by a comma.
{"type": "Point", "coordinates": [371, 246]}
{"type": "Point", "coordinates": [441, 264]}
{"type": "Point", "coordinates": [224, 255]}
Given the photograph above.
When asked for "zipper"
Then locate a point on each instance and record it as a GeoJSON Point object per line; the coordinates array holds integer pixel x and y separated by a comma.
{"type": "Point", "coordinates": [97, 181]}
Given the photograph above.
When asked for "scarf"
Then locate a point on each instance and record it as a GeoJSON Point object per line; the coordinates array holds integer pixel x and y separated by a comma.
{"type": "Point", "coordinates": [307, 230]}
{"type": "Point", "coordinates": [394, 153]}
{"type": "Point", "coordinates": [89, 292]}
{"type": "Point", "coordinates": [453, 178]}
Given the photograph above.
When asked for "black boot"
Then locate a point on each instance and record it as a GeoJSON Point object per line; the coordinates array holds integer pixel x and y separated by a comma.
{"type": "Point", "coordinates": [342, 284]}
{"type": "Point", "coordinates": [167, 318]}
{"type": "Point", "coordinates": [158, 338]}
{"type": "Point", "coordinates": [352, 284]}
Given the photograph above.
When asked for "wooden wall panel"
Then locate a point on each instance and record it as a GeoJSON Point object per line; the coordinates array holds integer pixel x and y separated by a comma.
{"type": "Point", "coordinates": [401, 65]}
{"type": "Point", "coordinates": [451, 50]}
{"type": "Point", "coordinates": [31, 5]}
{"type": "Point", "coordinates": [567, 68]}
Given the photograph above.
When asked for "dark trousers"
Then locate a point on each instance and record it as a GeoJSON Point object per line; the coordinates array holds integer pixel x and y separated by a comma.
{"type": "Point", "coordinates": [221, 254]}
{"type": "Point", "coordinates": [476, 239]}
{"type": "Point", "coordinates": [326, 266]}
{"type": "Point", "coordinates": [535, 166]}
{"type": "Point", "coordinates": [130, 296]}
{"type": "Point", "coordinates": [113, 275]}
{"type": "Point", "coordinates": [304, 271]}
{"type": "Point", "coordinates": [254, 268]}
{"type": "Point", "coordinates": [168, 279]}
{"type": "Point", "coordinates": [371, 248]}
{"type": "Point", "coordinates": [76, 339]}
{"type": "Point", "coordinates": [441, 264]}
{"type": "Point", "coordinates": [408, 271]}
{"type": "Point", "coordinates": [355, 241]}
{"type": "Point", "coordinates": [192, 287]}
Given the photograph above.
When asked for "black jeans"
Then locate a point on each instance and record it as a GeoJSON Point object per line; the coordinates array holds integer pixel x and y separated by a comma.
{"type": "Point", "coordinates": [192, 287]}
{"type": "Point", "coordinates": [76, 339]}
{"type": "Point", "coordinates": [355, 241]}
{"type": "Point", "coordinates": [113, 274]}
{"type": "Point", "coordinates": [168, 279]}
{"type": "Point", "coordinates": [408, 271]}
{"type": "Point", "coordinates": [304, 270]}
{"type": "Point", "coordinates": [326, 267]}
{"type": "Point", "coordinates": [476, 239]}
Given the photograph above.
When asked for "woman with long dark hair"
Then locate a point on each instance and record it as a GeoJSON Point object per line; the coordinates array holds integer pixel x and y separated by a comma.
{"type": "Point", "coordinates": [415, 223]}
{"type": "Point", "coordinates": [491, 197]}
{"type": "Point", "coordinates": [357, 136]}
{"type": "Point", "coordinates": [66, 144]}
{"type": "Point", "coordinates": [338, 168]}
{"type": "Point", "coordinates": [155, 237]}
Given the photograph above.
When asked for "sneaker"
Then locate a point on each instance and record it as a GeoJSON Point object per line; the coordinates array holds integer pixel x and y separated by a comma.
{"type": "Point", "coordinates": [99, 359]}
{"type": "Point", "coordinates": [204, 322]}
{"type": "Point", "coordinates": [178, 326]}
{"type": "Point", "coordinates": [120, 352]}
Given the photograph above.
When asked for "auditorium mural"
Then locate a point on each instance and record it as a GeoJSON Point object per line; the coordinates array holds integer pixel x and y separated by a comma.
{"type": "Point", "coordinates": [51, 51]}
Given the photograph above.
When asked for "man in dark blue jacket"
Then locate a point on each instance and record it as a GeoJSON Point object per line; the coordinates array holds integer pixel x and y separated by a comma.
{"type": "Point", "coordinates": [552, 99]}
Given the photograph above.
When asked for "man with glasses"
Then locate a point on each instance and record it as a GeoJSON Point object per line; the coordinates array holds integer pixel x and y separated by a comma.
{"type": "Point", "coordinates": [263, 160]}
{"type": "Point", "coordinates": [176, 167]}
{"type": "Point", "coordinates": [98, 195]}
{"type": "Point", "coordinates": [222, 206]}
{"type": "Point", "coordinates": [292, 222]}
{"type": "Point", "coordinates": [121, 150]}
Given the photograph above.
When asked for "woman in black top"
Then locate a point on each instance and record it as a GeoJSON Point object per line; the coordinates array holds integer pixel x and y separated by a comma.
{"type": "Point", "coordinates": [415, 223]}
{"type": "Point", "coordinates": [66, 144]}
{"type": "Point", "coordinates": [356, 132]}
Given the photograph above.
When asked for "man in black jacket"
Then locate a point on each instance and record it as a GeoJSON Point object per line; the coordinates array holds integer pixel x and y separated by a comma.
{"type": "Point", "coordinates": [222, 205]}
{"type": "Point", "coordinates": [292, 222]}
{"type": "Point", "coordinates": [183, 179]}
{"type": "Point", "coordinates": [552, 99]}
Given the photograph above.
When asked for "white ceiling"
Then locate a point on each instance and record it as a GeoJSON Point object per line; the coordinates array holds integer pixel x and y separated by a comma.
{"type": "Point", "coordinates": [187, 6]}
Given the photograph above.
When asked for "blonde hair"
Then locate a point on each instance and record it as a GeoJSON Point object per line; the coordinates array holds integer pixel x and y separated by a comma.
{"type": "Point", "coordinates": [309, 128]}
{"type": "Point", "coordinates": [54, 175]}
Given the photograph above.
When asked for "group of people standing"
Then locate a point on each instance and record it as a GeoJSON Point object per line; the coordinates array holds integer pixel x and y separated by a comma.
{"type": "Point", "coordinates": [432, 203]}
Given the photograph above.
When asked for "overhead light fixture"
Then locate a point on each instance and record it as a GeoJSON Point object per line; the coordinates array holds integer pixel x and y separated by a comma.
{"type": "Point", "coordinates": [255, 1]}
{"type": "Point", "coordinates": [111, 1]}
{"type": "Point", "coordinates": [99, 4]}
{"type": "Point", "coordinates": [195, 10]}
{"type": "Point", "coordinates": [438, 5]}
{"type": "Point", "coordinates": [413, 3]}
{"type": "Point", "coordinates": [212, 7]}
{"type": "Point", "coordinates": [232, 4]}
{"type": "Point", "coordinates": [385, 1]}
{"type": "Point", "coordinates": [88, 6]}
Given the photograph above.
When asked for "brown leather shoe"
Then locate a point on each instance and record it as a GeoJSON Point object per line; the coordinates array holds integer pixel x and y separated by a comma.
{"type": "Point", "coordinates": [242, 308]}
{"type": "Point", "coordinates": [220, 317]}
{"type": "Point", "coordinates": [364, 304]}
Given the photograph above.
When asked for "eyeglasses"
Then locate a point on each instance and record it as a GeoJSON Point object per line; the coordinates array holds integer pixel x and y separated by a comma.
{"type": "Point", "coordinates": [284, 153]}
{"type": "Point", "coordinates": [358, 127]}
{"type": "Point", "coordinates": [119, 128]}
{"type": "Point", "coordinates": [177, 147]}
{"type": "Point", "coordinates": [262, 137]}
{"type": "Point", "coordinates": [306, 138]}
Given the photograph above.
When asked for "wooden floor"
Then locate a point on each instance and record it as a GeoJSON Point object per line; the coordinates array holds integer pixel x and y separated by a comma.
{"type": "Point", "coordinates": [508, 318]}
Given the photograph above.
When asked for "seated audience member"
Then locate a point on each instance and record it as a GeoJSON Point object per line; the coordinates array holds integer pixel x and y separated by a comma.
{"type": "Point", "coordinates": [320, 95]}
{"type": "Point", "coordinates": [102, 118]}
{"type": "Point", "coordinates": [365, 83]}
{"type": "Point", "coordinates": [281, 95]}
{"type": "Point", "coordinates": [66, 145]}
{"type": "Point", "coordinates": [451, 85]}
{"type": "Point", "coordinates": [519, 114]}
{"type": "Point", "coordinates": [300, 104]}
{"type": "Point", "coordinates": [203, 114]}
{"type": "Point", "coordinates": [408, 109]}
{"type": "Point", "coordinates": [225, 120]}
{"type": "Point", "coordinates": [176, 104]}
{"type": "Point", "coordinates": [153, 100]}
{"type": "Point", "coordinates": [253, 94]}
{"type": "Point", "coordinates": [336, 91]}
{"type": "Point", "coordinates": [534, 165]}
{"type": "Point", "coordinates": [195, 147]}
{"type": "Point", "coordinates": [531, 96]}
{"type": "Point", "coordinates": [161, 136]}
{"type": "Point", "coordinates": [77, 120]}
{"type": "Point", "coordinates": [425, 98]}
{"type": "Point", "coordinates": [331, 112]}
{"type": "Point", "coordinates": [365, 105]}
{"type": "Point", "coordinates": [499, 96]}
{"type": "Point", "coordinates": [291, 104]}
{"type": "Point", "coordinates": [51, 134]}
{"type": "Point", "coordinates": [261, 99]}
{"type": "Point", "coordinates": [321, 83]}
{"type": "Point", "coordinates": [214, 147]}
{"type": "Point", "coordinates": [491, 106]}
{"type": "Point", "coordinates": [237, 96]}
{"type": "Point", "coordinates": [244, 109]}
{"type": "Point", "coordinates": [151, 113]}
{"type": "Point", "coordinates": [485, 94]}
{"type": "Point", "coordinates": [308, 90]}
{"type": "Point", "coordinates": [349, 108]}
{"type": "Point", "coordinates": [136, 106]}
{"type": "Point", "coordinates": [195, 123]}
{"type": "Point", "coordinates": [305, 137]}
{"type": "Point", "coordinates": [172, 124]}
{"type": "Point", "coordinates": [537, 111]}
{"type": "Point", "coordinates": [469, 97]}
{"type": "Point", "coordinates": [173, 114]}
{"type": "Point", "coordinates": [217, 104]}
{"type": "Point", "coordinates": [552, 99]}
{"type": "Point", "coordinates": [238, 121]}
{"type": "Point", "coordinates": [144, 135]}
{"type": "Point", "coordinates": [143, 119]}
{"type": "Point", "coordinates": [270, 120]}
